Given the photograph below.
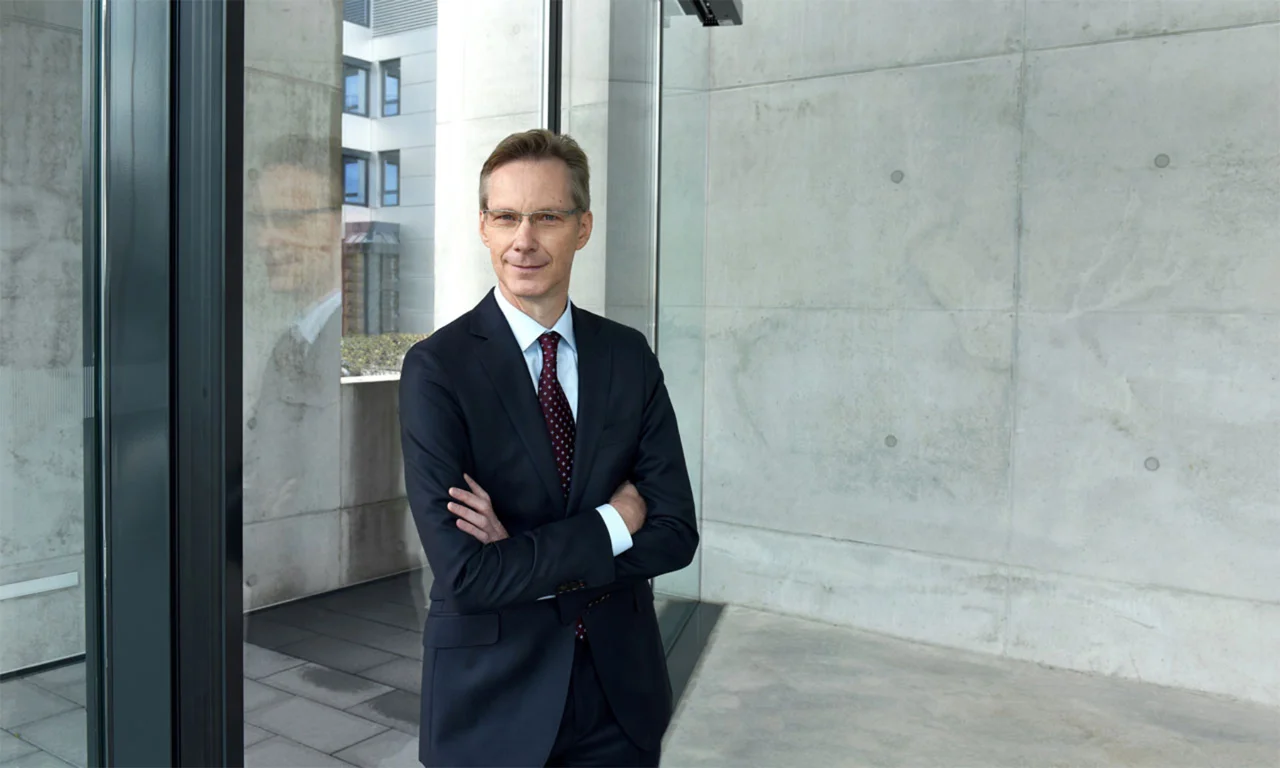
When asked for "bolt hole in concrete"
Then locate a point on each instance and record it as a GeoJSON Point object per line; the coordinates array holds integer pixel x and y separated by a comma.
{"type": "Point", "coordinates": [891, 441]}
{"type": "Point", "coordinates": [1152, 463]}
{"type": "Point", "coordinates": [897, 177]}
{"type": "Point", "coordinates": [1162, 161]}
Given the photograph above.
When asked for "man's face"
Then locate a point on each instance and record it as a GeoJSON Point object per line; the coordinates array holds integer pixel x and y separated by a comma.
{"type": "Point", "coordinates": [299, 229]}
{"type": "Point", "coordinates": [533, 261]}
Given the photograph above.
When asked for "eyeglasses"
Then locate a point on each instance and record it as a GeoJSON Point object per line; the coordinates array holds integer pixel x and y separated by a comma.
{"type": "Point", "coordinates": [546, 220]}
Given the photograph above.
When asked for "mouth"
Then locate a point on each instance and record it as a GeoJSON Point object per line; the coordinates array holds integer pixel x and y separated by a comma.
{"type": "Point", "coordinates": [526, 269]}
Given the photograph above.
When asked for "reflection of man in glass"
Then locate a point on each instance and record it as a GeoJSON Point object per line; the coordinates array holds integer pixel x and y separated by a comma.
{"type": "Point", "coordinates": [293, 233]}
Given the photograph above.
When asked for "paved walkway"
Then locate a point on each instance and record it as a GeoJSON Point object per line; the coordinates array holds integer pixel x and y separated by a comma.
{"type": "Point", "coordinates": [777, 691]}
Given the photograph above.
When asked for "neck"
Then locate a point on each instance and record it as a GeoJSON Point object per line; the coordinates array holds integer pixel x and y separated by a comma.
{"type": "Point", "coordinates": [545, 310]}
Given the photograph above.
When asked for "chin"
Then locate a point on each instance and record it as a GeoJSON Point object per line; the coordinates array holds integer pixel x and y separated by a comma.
{"type": "Point", "coordinates": [527, 287]}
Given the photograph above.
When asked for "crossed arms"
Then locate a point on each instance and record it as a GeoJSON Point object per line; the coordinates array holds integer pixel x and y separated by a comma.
{"type": "Point", "coordinates": [491, 571]}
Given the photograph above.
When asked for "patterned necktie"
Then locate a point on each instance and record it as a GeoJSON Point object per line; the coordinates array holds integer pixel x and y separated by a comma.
{"type": "Point", "coordinates": [559, 418]}
{"type": "Point", "coordinates": [556, 410]}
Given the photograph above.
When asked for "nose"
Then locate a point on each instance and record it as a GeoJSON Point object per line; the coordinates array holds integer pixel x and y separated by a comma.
{"type": "Point", "coordinates": [524, 239]}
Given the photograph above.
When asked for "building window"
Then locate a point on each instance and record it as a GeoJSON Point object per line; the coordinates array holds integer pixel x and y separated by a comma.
{"type": "Point", "coordinates": [391, 178]}
{"type": "Point", "coordinates": [355, 88]}
{"type": "Point", "coordinates": [390, 88]}
{"type": "Point", "coordinates": [355, 178]}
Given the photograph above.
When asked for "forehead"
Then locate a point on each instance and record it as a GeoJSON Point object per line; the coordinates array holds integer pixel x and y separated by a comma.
{"type": "Point", "coordinates": [530, 184]}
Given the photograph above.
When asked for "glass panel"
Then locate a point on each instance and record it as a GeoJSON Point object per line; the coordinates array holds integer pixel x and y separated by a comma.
{"type": "Point", "coordinates": [391, 179]}
{"type": "Point", "coordinates": [355, 180]}
{"type": "Point", "coordinates": [356, 89]}
{"type": "Point", "coordinates": [682, 209]}
{"type": "Point", "coordinates": [390, 88]}
{"type": "Point", "coordinates": [334, 293]}
{"type": "Point", "coordinates": [47, 470]}
{"type": "Point", "coordinates": [609, 106]}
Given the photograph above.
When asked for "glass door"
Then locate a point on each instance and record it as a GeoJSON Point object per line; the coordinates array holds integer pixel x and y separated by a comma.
{"type": "Point", "coordinates": [681, 210]}
{"type": "Point", "coordinates": [49, 480]}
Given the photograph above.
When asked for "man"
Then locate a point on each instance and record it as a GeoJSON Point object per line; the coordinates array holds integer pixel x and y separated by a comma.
{"type": "Point", "coordinates": [548, 484]}
{"type": "Point", "coordinates": [293, 237]}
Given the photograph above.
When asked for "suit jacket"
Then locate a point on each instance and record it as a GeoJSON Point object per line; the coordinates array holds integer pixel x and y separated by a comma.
{"type": "Point", "coordinates": [497, 660]}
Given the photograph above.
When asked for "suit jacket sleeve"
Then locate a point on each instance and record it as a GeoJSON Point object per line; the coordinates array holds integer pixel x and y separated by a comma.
{"type": "Point", "coordinates": [669, 537]}
{"type": "Point", "coordinates": [574, 552]}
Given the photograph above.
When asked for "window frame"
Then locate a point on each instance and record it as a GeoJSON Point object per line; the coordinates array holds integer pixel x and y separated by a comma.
{"type": "Point", "coordinates": [366, 70]}
{"type": "Point", "coordinates": [389, 68]}
{"type": "Point", "coordinates": [361, 157]}
{"type": "Point", "coordinates": [391, 157]}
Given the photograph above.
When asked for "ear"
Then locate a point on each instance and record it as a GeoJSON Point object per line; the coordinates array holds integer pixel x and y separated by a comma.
{"type": "Point", "coordinates": [484, 236]}
{"type": "Point", "coordinates": [585, 225]}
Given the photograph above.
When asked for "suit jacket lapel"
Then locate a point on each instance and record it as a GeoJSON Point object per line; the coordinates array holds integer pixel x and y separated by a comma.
{"type": "Point", "coordinates": [594, 371]}
{"type": "Point", "coordinates": [503, 361]}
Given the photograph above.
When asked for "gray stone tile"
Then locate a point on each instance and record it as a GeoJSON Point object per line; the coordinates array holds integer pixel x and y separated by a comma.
{"type": "Point", "coordinates": [399, 709]}
{"type": "Point", "coordinates": [38, 759]}
{"type": "Point", "coordinates": [314, 725]}
{"type": "Point", "coordinates": [22, 702]}
{"type": "Point", "coordinates": [402, 642]}
{"type": "Point", "coordinates": [342, 655]}
{"type": "Point", "coordinates": [272, 634]}
{"type": "Point", "coordinates": [282, 753]}
{"type": "Point", "coordinates": [64, 736]}
{"type": "Point", "coordinates": [254, 735]}
{"type": "Point", "coordinates": [392, 749]}
{"type": "Point", "coordinates": [68, 682]}
{"type": "Point", "coordinates": [257, 695]}
{"type": "Point", "coordinates": [12, 747]}
{"type": "Point", "coordinates": [261, 662]}
{"type": "Point", "coordinates": [405, 674]}
{"type": "Point", "coordinates": [393, 614]}
{"type": "Point", "coordinates": [70, 674]}
{"type": "Point", "coordinates": [334, 624]}
{"type": "Point", "coordinates": [327, 686]}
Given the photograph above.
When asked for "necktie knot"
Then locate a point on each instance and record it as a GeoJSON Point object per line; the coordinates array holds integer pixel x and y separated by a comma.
{"type": "Point", "coordinates": [550, 343]}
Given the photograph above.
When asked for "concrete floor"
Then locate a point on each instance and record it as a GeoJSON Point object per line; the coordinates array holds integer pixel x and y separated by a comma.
{"type": "Point", "coordinates": [779, 691]}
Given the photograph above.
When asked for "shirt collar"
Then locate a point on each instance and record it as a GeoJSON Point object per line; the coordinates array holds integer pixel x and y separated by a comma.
{"type": "Point", "coordinates": [527, 330]}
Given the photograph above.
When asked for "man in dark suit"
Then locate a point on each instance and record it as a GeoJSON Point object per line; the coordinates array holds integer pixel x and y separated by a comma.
{"type": "Point", "coordinates": [548, 484]}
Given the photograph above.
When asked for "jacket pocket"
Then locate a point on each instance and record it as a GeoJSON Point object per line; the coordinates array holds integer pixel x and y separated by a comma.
{"type": "Point", "coordinates": [460, 630]}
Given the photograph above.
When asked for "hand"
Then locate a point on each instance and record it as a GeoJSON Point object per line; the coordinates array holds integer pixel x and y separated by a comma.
{"type": "Point", "coordinates": [630, 506]}
{"type": "Point", "coordinates": [475, 513]}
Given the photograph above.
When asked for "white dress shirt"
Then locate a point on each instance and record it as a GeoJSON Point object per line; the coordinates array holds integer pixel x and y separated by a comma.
{"type": "Point", "coordinates": [527, 331]}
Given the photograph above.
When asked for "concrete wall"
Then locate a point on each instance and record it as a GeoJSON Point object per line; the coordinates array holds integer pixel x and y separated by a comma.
{"type": "Point", "coordinates": [993, 328]}
{"type": "Point", "coordinates": [322, 510]}
{"type": "Point", "coordinates": [41, 368]}
{"type": "Point", "coordinates": [489, 87]}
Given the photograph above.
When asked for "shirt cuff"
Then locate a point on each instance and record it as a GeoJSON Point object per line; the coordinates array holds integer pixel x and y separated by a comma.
{"type": "Point", "coordinates": [618, 533]}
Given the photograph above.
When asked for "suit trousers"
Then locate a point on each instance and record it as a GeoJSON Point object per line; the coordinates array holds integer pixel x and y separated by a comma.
{"type": "Point", "coordinates": [589, 732]}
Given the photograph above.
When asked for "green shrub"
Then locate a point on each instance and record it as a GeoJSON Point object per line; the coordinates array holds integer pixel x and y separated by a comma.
{"type": "Point", "coordinates": [380, 354]}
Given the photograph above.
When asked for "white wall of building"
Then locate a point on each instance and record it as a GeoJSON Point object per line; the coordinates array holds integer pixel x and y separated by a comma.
{"type": "Point", "coordinates": [413, 134]}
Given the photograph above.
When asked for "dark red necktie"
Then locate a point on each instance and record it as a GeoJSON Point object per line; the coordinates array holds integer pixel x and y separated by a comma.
{"type": "Point", "coordinates": [559, 418]}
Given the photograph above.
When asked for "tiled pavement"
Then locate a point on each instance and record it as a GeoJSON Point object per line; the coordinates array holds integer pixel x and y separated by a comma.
{"type": "Point", "coordinates": [329, 681]}
{"type": "Point", "coordinates": [334, 680]}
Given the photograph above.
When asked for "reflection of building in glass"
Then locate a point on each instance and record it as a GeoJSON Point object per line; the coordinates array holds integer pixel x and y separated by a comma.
{"type": "Point", "coordinates": [370, 278]}
{"type": "Point", "coordinates": [388, 165]}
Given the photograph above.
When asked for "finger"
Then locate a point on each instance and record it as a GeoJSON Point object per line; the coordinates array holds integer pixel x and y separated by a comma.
{"type": "Point", "coordinates": [475, 532]}
{"type": "Point", "coordinates": [475, 487]}
{"type": "Point", "coordinates": [471, 500]}
{"type": "Point", "coordinates": [470, 515]}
